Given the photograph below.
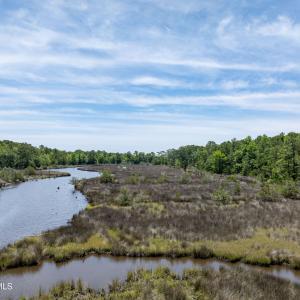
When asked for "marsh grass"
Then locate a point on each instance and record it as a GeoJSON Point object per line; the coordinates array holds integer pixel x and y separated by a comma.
{"type": "Point", "coordinates": [261, 249]}
{"type": "Point", "coordinates": [12, 176]}
{"type": "Point", "coordinates": [162, 283]}
{"type": "Point", "coordinates": [171, 219]}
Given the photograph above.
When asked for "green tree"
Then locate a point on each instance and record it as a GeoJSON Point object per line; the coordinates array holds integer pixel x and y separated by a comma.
{"type": "Point", "coordinates": [217, 162]}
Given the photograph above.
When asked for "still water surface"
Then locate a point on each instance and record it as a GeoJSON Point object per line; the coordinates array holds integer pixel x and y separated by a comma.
{"type": "Point", "coordinates": [98, 271]}
{"type": "Point", "coordinates": [34, 206]}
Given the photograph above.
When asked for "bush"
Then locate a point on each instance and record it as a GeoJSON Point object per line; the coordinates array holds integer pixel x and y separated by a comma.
{"type": "Point", "coordinates": [106, 177]}
{"type": "Point", "coordinates": [115, 286]}
{"type": "Point", "coordinates": [11, 175]}
{"type": "Point", "coordinates": [29, 171]}
{"type": "Point", "coordinates": [174, 291]}
{"type": "Point", "coordinates": [141, 197]}
{"type": "Point", "coordinates": [222, 196]}
{"type": "Point", "coordinates": [269, 192]}
{"type": "Point", "coordinates": [232, 178]}
{"type": "Point", "coordinates": [290, 190]}
{"type": "Point", "coordinates": [237, 188]}
{"type": "Point", "coordinates": [202, 252]}
{"type": "Point", "coordinates": [124, 198]}
{"type": "Point", "coordinates": [133, 179]}
{"type": "Point", "coordinates": [162, 178]}
{"type": "Point", "coordinates": [185, 178]}
{"type": "Point", "coordinates": [206, 177]}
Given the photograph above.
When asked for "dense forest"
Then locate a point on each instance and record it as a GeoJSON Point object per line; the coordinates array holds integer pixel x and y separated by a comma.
{"type": "Point", "coordinates": [275, 157]}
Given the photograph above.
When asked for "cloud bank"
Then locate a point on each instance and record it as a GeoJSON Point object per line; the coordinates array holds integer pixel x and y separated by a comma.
{"type": "Point", "coordinates": [147, 75]}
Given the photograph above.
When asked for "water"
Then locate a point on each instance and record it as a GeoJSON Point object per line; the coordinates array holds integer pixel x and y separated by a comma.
{"type": "Point", "coordinates": [98, 271]}
{"type": "Point", "coordinates": [34, 206]}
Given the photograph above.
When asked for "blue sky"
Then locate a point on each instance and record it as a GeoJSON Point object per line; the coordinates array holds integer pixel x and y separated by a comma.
{"type": "Point", "coordinates": [147, 74]}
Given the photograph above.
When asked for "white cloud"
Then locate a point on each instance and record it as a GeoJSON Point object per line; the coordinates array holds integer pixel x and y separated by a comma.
{"type": "Point", "coordinates": [186, 6]}
{"type": "Point", "coordinates": [271, 81]}
{"type": "Point", "coordinates": [234, 84]}
{"type": "Point", "coordinates": [35, 45]}
{"type": "Point", "coordinates": [156, 81]}
{"type": "Point", "coordinates": [282, 101]}
{"type": "Point", "coordinates": [225, 39]}
{"type": "Point", "coordinates": [283, 27]}
{"type": "Point", "coordinates": [85, 54]}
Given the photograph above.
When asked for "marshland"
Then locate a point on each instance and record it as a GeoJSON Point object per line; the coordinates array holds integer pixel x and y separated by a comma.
{"type": "Point", "coordinates": [149, 150]}
{"type": "Point", "coordinates": [193, 202]}
{"type": "Point", "coordinates": [161, 283]}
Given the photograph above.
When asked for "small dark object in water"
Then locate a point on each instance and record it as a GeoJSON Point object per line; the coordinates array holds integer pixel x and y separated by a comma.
{"type": "Point", "coordinates": [58, 187]}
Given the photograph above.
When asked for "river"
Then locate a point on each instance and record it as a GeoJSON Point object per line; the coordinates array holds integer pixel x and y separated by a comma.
{"type": "Point", "coordinates": [32, 207]}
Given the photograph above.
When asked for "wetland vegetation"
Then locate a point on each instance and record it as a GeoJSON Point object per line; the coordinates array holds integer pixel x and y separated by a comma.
{"type": "Point", "coordinates": [161, 283]}
{"type": "Point", "coordinates": [237, 201]}
{"type": "Point", "coordinates": [10, 176]}
{"type": "Point", "coordinates": [146, 210]}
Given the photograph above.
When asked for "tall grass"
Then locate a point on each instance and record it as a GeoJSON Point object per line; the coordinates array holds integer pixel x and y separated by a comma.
{"type": "Point", "coordinates": [199, 284]}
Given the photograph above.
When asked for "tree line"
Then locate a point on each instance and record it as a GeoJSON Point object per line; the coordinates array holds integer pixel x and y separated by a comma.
{"type": "Point", "coordinates": [275, 157]}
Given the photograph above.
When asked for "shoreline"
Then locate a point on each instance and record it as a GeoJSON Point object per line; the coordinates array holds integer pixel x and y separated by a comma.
{"type": "Point", "coordinates": [190, 280]}
{"type": "Point", "coordinates": [44, 174]}
{"type": "Point", "coordinates": [99, 245]}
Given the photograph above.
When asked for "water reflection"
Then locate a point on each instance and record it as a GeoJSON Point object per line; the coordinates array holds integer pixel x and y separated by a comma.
{"type": "Point", "coordinates": [97, 272]}
{"type": "Point", "coordinates": [34, 206]}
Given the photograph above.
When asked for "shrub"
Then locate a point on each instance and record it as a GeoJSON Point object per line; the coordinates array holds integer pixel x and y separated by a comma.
{"type": "Point", "coordinates": [115, 286]}
{"type": "Point", "coordinates": [124, 198]}
{"type": "Point", "coordinates": [106, 177]}
{"type": "Point", "coordinates": [269, 192]}
{"type": "Point", "coordinates": [11, 175]}
{"type": "Point", "coordinates": [185, 178]}
{"type": "Point", "coordinates": [162, 178]}
{"type": "Point", "coordinates": [141, 197]}
{"type": "Point", "coordinates": [206, 177]}
{"type": "Point", "coordinates": [222, 196]}
{"type": "Point", "coordinates": [290, 190]}
{"type": "Point", "coordinates": [29, 171]}
{"type": "Point", "coordinates": [237, 188]}
{"type": "Point", "coordinates": [202, 252]}
{"type": "Point", "coordinates": [173, 291]}
{"type": "Point", "coordinates": [232, 178]}
{"type": "Point", "coordinates": [133, 179]}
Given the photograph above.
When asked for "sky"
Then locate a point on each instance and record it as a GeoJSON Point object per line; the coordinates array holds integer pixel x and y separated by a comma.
{"type": "Point", "coordinates": [147, 75]}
